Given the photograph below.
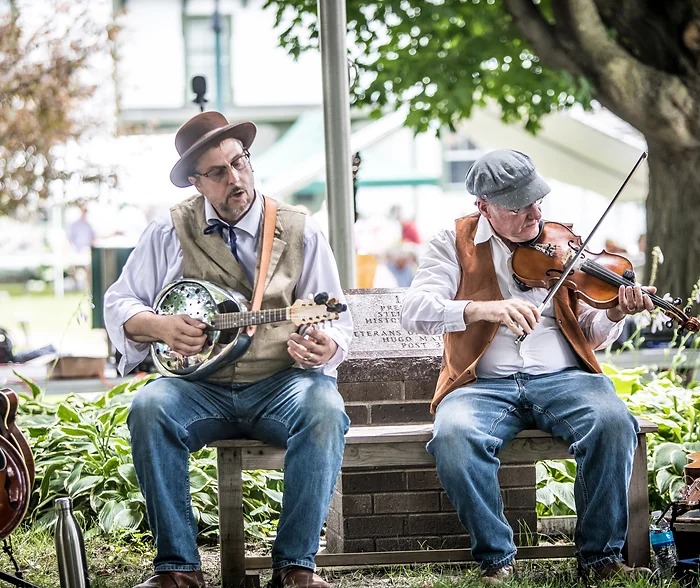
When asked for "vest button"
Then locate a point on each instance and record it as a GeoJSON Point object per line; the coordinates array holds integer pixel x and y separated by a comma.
{"type": "Point", "coordinates": [469, 371]}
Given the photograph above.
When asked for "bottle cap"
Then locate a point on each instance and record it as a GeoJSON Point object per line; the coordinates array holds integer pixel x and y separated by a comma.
{"type": "Point", "coordinates": [63, 503]}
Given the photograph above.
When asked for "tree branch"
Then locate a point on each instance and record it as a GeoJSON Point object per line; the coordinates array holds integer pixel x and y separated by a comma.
{"type": "Point", "coordinates": [652, 100]}
{"type": "Point", "coordinates": [539, 33]}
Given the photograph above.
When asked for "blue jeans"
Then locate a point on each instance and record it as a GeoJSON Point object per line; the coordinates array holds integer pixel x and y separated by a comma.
{"type": "Point", "coordinates": [473, 423]}
{"type": "Point", "coordinates": [300, 410]}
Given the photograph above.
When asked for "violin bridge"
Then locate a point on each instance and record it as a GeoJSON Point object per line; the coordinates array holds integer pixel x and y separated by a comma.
{"type": "Point", "coordinates": [546, 248]}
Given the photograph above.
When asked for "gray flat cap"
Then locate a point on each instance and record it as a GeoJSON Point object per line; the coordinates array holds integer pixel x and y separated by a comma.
{"type": "Point", "coordinates": [507, 178]}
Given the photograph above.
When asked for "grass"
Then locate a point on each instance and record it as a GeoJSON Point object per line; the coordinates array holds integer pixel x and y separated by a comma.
{"type": "Point", "coordinates": [116, 563]}
{"type": "Point", "coordinates": [35, 319]}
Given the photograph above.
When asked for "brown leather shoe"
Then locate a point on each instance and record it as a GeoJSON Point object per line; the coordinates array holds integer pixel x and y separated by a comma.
{"type": "Point", "coordinates": [294, 576]}
{"type": "Point", "coordinates": [618, 570]}
{"type": "Point", "coordinates": [498, 576]}
{"type": "Point", "coordinates": [175, 580]}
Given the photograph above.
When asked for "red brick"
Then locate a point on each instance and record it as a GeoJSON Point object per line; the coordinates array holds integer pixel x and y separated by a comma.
{"type": "Point", "coordinates": [372, 480]}
{"type": "Point", "coordinates": [358, 413]}
{"type": "Point", "coordinates": [402, 502]}
{"type": "Point", "coordinates": [420, 389]}
{"type": "Point", "coordinates": [423, 480]}
{"type": "Point", "coordinates": [517, 475]}
{"type": "Point", "coordinates": [422, 543]}
{"type": "Point", "coordinates": [357, 504]}
{"type": "Point", "coordinates": [397, 413]}
{"type": "Point", "coordinates": [445, 503]}
{"type": "Point", "coordinates": [428, 524]}
{"type": "Point", "coordinates": [375, 526]}
{"type": "Point", "coordinates": [372, 391]}
{"type": "Point", "coordinates": [357, 546]}
{"type": "Point", "coordinates": [520, 498]}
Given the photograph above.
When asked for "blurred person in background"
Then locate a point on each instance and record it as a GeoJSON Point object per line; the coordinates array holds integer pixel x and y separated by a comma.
{"type": "Point", "coordinates": [81, 237]}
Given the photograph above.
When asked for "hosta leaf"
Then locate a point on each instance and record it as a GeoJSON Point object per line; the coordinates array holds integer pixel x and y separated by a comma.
{"type": "Point", "coordinates": [678, 461]}
{"type": "Point", "coordinates": [198, 480]}
{"type": "Point", "coordinates": [110, 466]}
{"type": "Point", "coordinates": [68, 413]}
{"type": "Point", "coordinates": [545, 496]}
{"type": "Point", "coordinates": [82, 485]}
{"type": "Point", "coordinates": [131, 517]}
{"type": "Point", "coordinates": [663, 455]}
{"type": "Point", "coordinates": [564, 492]}
{"type": "Point", "coordinates": [120, 515]}
{"type": "Point", "coordinates": [210, 519]}
{"type": "Point", "coordinates": [74, 474]}
{"type": "Point", "coordinates": [127, 472]}
{"type": "Point", "coordinates": [663, 480]}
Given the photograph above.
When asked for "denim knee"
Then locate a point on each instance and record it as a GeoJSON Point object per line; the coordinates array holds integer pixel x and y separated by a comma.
{"type": "Point", "coordinates": [148, 407]}
{"type": "Point", "coordinates": [614, 426]}
{"type": "Point", "coordinates": [325, 408]}
{"type": "Point", "coordinates": [452, 435]}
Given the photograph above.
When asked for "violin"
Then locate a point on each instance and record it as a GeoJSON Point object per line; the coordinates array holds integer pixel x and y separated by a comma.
{"type": "Point", "coordinates": [595, 277]}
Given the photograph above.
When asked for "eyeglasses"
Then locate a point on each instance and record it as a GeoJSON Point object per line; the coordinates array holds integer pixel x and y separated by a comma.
{"type": "Point", "coordinates": [220, 172]}
{"type": "Point", "coordinates": [521, 209]}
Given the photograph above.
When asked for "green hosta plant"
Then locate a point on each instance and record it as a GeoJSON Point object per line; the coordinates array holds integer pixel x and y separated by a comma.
{"type": "Point", "coordinates": [665, 399]}
{"type": "Point", "coordinates": [672, 405]}
{"type": "Point", "coordinates": [81, 449]}
{"type": "Point", "coordinates": [555, 487]}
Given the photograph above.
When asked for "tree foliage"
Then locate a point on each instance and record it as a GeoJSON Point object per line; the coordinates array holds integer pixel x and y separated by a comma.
{"type": "Point", "coordinates": [43, 90]}
{"type": "Point", "coordinates": [443, 58]}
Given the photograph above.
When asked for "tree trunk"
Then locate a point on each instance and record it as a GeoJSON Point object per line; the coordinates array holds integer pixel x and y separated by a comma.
{"type": "Point", "coordinates": [673, 218]}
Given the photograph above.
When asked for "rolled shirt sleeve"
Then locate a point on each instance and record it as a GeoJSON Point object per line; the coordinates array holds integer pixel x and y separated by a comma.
{"type": "Point", "coordinates": [429, 306]}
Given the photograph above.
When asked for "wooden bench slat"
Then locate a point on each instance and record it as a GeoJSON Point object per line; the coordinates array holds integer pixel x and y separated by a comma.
{"type": "Point", "coordinates": [397, 446]}
{"type": "Point", "coordinates": [400, 433]}
{"type": "Point", "coordinates": [414, 557]}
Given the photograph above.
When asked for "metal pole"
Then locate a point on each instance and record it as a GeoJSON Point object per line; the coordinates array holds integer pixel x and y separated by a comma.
{"type": "Point", "coordinates": [336, 118]}
{"type": "Point", "coordinates": [216, 25]}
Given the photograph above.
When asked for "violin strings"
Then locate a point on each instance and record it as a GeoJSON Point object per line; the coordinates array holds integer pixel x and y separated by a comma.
{"type": "Point", "coordinates": [599, 271]}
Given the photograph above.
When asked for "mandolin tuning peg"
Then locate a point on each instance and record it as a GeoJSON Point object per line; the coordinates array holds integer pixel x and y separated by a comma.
{"type": "Point", "coordinates": [677, 302]}
{"type": "Point", "coordinates": [688, 309]}
{"type": "Point", "coordinates": [669, 324]}
{"type": "Point", "coordinates": [321, 298]}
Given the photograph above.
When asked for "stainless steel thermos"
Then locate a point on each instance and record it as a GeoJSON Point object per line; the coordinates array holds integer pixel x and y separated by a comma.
{"type": "Point", "coordinates": [70, 548]}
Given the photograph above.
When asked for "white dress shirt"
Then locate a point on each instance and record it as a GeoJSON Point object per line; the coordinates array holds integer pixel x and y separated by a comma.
{"type": "Point", "coordinates": [157, 260]}
{"type": "Point", "coordinates": [429, 307]}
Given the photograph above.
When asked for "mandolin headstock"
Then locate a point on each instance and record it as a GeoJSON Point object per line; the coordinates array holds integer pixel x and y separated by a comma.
{"type": "Point", "coordinates": [319, 310]}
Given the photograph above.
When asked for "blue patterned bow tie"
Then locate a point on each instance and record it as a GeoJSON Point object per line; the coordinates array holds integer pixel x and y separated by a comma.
{"type": "Point", "coordinates": [221, 228]}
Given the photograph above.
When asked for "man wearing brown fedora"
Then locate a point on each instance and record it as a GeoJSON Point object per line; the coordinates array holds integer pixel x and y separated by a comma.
{"type": "Point", "coordinates": [282, 390]}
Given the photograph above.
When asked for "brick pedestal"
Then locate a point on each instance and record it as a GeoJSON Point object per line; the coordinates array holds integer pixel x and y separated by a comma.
{"type": "Point", "coordinates": [385, 509]}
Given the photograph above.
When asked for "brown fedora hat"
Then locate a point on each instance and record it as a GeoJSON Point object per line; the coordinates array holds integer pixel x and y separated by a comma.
{"type": "Point", "coordinates": [199, 134]}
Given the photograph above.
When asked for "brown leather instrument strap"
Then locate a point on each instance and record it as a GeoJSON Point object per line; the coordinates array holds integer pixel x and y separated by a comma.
{"type": "Point", "coordinates": [269, 222]}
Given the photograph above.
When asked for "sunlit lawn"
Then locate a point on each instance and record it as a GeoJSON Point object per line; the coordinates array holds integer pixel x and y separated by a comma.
{"type": "Point", "coordinates": [35, 319]}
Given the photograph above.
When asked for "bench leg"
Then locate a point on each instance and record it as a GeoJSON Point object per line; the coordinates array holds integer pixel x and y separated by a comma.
{"type": "Point", "coordinates": [636, 550]}
{"type": "Point", "coordinates": [231, 526]}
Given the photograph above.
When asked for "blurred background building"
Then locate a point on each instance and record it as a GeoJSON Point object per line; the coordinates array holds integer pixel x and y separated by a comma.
{"type": "Point", "coordinates": [147, 93]}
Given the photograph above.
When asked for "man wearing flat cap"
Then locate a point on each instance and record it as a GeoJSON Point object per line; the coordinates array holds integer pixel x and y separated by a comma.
{"type": "Point", "coordinates": [491, 386]}
{"type": "Point", "coordinates": [282, 390]}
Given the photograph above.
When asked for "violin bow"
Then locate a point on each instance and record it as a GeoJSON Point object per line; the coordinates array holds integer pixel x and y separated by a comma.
{"type": "Point", "coordinates": [572, 262]}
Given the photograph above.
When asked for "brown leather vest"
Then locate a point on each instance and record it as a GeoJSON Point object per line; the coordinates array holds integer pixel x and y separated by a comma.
{"type": "Point", "coordinates": [207, 257]}
{"type": "Point", "coordinates": [463, 349]}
